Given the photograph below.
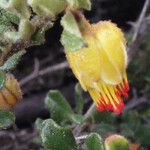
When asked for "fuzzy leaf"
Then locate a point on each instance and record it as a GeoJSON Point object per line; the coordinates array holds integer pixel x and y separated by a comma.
{"type": "Point", "coordinates": [38, 124]}
{"type": "Point", "coordinates": [5, 3]}
{"type": "Point", "coordinates": [71, 42]}
{"type": "Point", "coordinates": [73, 3]}
{"type": "Point", "coordinates": [5, 24]}
{"type": "Point", "coordinates": [6, 119]}
{"type": "Point", "coordinates": [86, 4]}
{"type": "Point", "coordinates": [12, 36]}
{"type": "Point", "coordinates": [58, 106]}
{"type": "Point", "coordinates": [10, 17]}
{"type": "Point", "coordinates": [19, 7]}
{"type": "Point", "coordinates": [94, 142]}
{"type": "Point", "coordinates": [55, 137]}
{"type": "Point", "coordinates": [2, 79]}
{"type": "Point", "coordinates": [76, 118]}
{"type": "Point", "coordinates": [103, 129]}
{"type": "Point", "coordinates": [12, 61]}
{"type": "Point", "coordinates": [25, 29]}
{"type": "Point", "coordinates": [47, 7]}
{"type": "Point", "coordinates": [38, 37]}
{"type": "Point", "coordinates": [70, 25]}
{"type": "Point", "coordinates": [60, 109]}
{"type": "Point", "coordinates": [143, 134]}
{"type": "Point", "coordinates": [105, 116]}
{"type": "Point", "coordinates": [78, 99]}
{"type": "Point", "coordinates": [71, 37]}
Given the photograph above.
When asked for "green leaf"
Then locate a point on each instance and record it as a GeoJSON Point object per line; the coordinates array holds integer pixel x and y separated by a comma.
{"type": "Point", "coordinates": [47, 7]}
{"type": "Point", "coordinates": [105, 116]}
{"type": "Point", "coordinates": [7, 30]}
{"type": "Point", "coordinates": [77, 118]}
{"type": "Point", "coordinates": [38, 124]}
{"type": "Point", "coordinates": [12, 36]}
{"type": "Point", "coordinates": [71, 37]}
{"type": "Point", "coordinates": [75, 4]}
{"type": "Point", "coordinates": [5, 3]}
{"type": "Point", "coordinates": [5, 24]}
{"type": "Point", "coordinates": [127, 130]}
{"type": "Point", "coordinates": [131, 122]}
{"type": "Point", "coordinates": [142, 134]}
{"type": "Point", "coordinates": [2, 79]}
{"type": "Point", "coordinates": [10, 17]}
{"type": "Point", "coordinates": [55, 137]}
{"type": "Point", "coordinates": [12, 61]}
{"type": "Point", "coordinates": [70, 25]}
{"type": "Point", "coordinates": [26, 29]}
{"type": "Point", "coordinates": [19, 7]}
{"type": "Point", "coordinates": [71, 42]}
{"type": "Point", "coordinates": [58, 106]}
{"type": "Point", "coordinates": [78, 99]}
{"type": "Point", "coordinates": [38, 37]}
{"type": "Point", "coordinates": [116, 142]}
{"type": "Point", "coordinates": [104, 128]}
{"type": "Point", "coordinates": [6, 119]}
{"type": "Point", "coordinates": [37, 140]}
{"type": "Point", "coordinates": [86, 4]}
{"type": "Point", "coordinates": [94, 142]}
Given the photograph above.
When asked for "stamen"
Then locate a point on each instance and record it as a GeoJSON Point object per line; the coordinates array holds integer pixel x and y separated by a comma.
{"type": "Point", "coordinates": [107, 97]}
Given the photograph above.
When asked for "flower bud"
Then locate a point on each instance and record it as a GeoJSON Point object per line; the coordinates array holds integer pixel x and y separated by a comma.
{"type": "Point", "coordinates": [10, 93]}
{"type": "Point", "coordinates": [116, 142]}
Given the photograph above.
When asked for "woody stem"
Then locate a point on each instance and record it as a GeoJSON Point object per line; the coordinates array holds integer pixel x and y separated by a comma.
{"type": "Point", "coordinates": [79, 128]}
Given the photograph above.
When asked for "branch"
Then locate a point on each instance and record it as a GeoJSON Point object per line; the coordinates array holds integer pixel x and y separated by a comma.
{"type": "Point", "coordinates": [79, 128]}
{"type": "Point", "coordinates": [140, 20]}
{"type": "Point", "coordinates": [36, 73]}
{"type": "Point", "coordinates": [134, 103]}
{"type": "Point", "coordinates": [80, 138]}
{"type": "Point", "coordinates": [140, 24]}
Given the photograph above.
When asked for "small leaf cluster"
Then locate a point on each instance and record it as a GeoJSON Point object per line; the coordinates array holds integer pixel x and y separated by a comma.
{"type": "Point", "coordinates": [57, 132]}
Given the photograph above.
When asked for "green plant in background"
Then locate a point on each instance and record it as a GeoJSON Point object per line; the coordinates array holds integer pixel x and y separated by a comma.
{"type": "Point", "coordinates": [23, 24]}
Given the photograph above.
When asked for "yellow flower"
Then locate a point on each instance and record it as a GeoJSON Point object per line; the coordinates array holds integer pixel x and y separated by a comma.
{"type": "Point", "coordinates": [10, 93]}
{"type": "Point", "coordinates": [100, 67]}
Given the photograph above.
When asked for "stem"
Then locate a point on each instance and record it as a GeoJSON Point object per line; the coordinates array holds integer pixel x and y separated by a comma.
{"type": "Point", "coordinates": [89, 111]}
{"type": "Point", "coordinates": [140, 20]}
{"type": "Point", "coordinates": [79, 128]}
{"type": "Point", "coordinates": [81, 137]}
{"type": "Point", "coordinates": [36, 73]}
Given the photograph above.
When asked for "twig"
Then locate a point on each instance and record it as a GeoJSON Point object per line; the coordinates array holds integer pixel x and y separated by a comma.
{"type": "Point", "coordinates": [134, 103]}
{"type": "Point", "coordinates": [79, 128]}
{"type": "Point", "coordinates": [35, 74]}
{"type": "Point", "coordinates": [133, 46]}
{"type": "Point", "coordinates": [140, 20]}
{"type": "Point", "coordinates": [80, 138]}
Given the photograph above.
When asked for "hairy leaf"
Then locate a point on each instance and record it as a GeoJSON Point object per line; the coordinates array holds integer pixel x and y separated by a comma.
{"type": "Point", "coordinates": [12, 61]}
{"type": "Point", "coordinates": [71, 37]}
{"type": "Point", "coordinates": [94, 142]}
{"type": "Point", "coordinates": [55, 137]}
{"type": "Point", "coordinates": [6, 119]}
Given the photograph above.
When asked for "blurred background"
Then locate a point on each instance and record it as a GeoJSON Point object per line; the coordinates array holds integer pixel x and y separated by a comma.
{"type": "Point", "coordinates": [55, 74]}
